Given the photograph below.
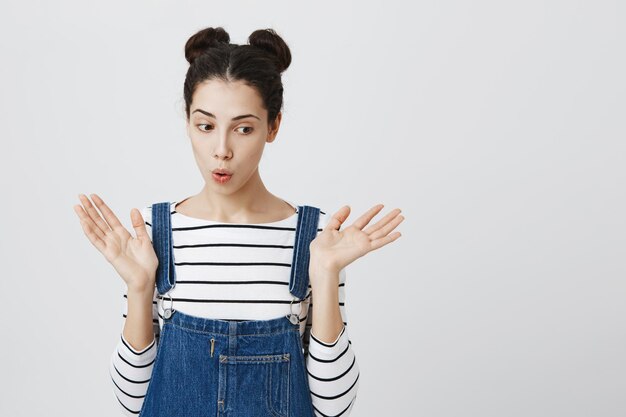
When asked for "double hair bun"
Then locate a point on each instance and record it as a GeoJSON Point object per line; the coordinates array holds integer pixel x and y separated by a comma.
{"type": "Point", "coordinates": [266, 40]}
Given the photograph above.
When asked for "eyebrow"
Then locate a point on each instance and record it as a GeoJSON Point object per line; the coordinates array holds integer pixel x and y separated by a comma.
{"type": "Point", "coordinates": [243, 116]}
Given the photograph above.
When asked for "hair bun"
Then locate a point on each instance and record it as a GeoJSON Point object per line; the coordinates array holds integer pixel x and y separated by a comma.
{"type": "Point", "coordinates": [204, 39]}
{"type": "Point", "coordinates": [274, 45]}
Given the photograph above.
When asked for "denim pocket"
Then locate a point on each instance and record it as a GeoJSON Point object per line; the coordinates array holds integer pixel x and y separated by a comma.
{"type": "Point", "coordinates": [260, 382]}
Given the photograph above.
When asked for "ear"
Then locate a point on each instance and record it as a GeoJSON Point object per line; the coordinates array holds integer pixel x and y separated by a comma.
{"type": "Point", "coordinates": [274, 129]}
{"type": "Point", "coordinates": [187, 127]}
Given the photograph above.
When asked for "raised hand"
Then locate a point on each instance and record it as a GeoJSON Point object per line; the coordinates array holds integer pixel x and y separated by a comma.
{"type": "Point", "coordinates": [334, 249]}
{"type": "Point", "coordinates": [132, 257]}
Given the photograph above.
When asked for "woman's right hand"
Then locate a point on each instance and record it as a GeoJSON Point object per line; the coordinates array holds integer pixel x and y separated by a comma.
{"type": "Point", "coordinates": [132, 257]}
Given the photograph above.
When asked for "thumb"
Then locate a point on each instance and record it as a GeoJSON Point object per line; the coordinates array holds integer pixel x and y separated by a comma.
{"type": "Point", "coordinates": [335, 222]}
{"type": "Point", "coordinates": [138, 223]}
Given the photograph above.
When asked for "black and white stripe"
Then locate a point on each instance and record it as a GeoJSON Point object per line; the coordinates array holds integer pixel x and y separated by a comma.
{"type": "Point", "coordinates": [239, 272]}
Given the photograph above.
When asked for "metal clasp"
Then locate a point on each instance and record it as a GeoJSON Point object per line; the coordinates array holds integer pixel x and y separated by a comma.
{"type": "Point", "coordinates": [293, 318]}
{"type": "Point", "coordinates": [167, 313]}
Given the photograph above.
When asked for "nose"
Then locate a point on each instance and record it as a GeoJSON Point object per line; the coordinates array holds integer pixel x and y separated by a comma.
{"type": "Point", "coordinates": [222, 150]}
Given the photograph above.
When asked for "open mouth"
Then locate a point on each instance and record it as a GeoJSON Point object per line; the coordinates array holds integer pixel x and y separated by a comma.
{"type": "Point", "coordinates": [222, 171]}
{"type": "Point", "coordinates": [221, 177]}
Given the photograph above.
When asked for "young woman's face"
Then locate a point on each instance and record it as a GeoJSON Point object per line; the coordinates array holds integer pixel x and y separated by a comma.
{"type": "Point", "coordinates": [228, 129]}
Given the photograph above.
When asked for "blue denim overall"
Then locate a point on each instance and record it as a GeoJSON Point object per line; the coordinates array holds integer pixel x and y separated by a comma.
{"type": "Point", "coordinates": [209, 367]}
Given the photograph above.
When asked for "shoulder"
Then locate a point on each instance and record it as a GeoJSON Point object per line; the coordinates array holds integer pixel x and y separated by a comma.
{"type": "Point", "coordinates": [146, 213]}
{"type": "Point", "coordinates": [146, 210]}
{"type": "Point", "coordinates": [324, 216]}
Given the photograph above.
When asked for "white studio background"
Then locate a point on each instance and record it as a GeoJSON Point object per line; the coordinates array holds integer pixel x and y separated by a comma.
{"type": "Point", "coordinates": [497, 127]}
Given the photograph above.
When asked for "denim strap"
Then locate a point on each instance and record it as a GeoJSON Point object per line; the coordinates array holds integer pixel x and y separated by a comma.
{"type": "Point", "coordinates": [162, 243]}
{"type": "Point", "coordinates": [306, 231]}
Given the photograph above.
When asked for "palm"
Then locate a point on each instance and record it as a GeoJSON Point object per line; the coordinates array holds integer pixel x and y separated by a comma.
{"type": "Point", "coordinates": [132, 257]}
{"type": "Point", "coordinates": [334, 249]}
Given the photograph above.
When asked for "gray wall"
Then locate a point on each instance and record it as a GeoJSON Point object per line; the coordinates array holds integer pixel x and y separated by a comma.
{"type": "Point", "coordinates": [497, 127]}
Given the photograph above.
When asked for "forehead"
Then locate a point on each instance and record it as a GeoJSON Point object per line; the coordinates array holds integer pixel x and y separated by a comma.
{"type": "Point", "coordinates": [227, 99]}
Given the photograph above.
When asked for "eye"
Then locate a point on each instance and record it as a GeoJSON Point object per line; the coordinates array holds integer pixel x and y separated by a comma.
{"type": "Point", "coordinates": [246, 127]}
{"type": "Point", "coordinates": [200, 127]}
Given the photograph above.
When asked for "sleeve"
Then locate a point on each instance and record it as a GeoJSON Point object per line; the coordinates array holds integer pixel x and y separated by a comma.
{"type": "Point", "coordinates": [130, 369]}
{"type": "Point", "coordinates": [333, 371]}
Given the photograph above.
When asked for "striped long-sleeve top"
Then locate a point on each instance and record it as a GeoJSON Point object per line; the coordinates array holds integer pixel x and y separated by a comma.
{"type": "Point", "coordinates": [239, 271]}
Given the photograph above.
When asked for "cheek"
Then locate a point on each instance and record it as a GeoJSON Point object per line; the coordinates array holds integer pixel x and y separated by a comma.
{"type": "Point", "coordinates": [200, 151]}
{"type": "Point", "coordinates": [197, 145]}
{"type": "Point", "coordinates": [254, 153]}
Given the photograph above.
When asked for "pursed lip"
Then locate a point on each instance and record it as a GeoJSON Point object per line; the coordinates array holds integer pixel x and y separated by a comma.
{"type": "Point", "coordinates": [222, 171]}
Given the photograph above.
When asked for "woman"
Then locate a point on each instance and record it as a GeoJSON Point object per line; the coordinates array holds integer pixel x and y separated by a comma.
{"type": "Point", "coordinates": [215, 332]}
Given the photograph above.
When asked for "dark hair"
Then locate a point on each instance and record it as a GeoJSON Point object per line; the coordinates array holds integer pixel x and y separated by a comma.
{"type": "Point", "coordinates": [259, 64]}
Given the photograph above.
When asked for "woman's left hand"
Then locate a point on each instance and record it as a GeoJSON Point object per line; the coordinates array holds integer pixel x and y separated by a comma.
{"type": "Point", "coordinates": [334, 249]}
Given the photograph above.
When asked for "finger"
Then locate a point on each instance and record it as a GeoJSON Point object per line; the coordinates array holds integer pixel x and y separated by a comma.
{"type": "Point", "coordinates": [379, 243]}
{"type": "Point", "coordinates": [139, 224]}
{"type": "Point", "coordinates": [93, 213]}
{"type": "Point", "coordinates": [385, 230]}
{"type": "Point", "coordinates": [109, 216]}
{"type": "Point", "coordinates": [362, 221]}
{"type": "Point", "coordinates": [88, 228]}
{"type": "Point", "coordinates": [88, 221]}
{"type": "Point", "coordinates": [380, 223]}
{"type": "Point", "coordinates": [338, 218]}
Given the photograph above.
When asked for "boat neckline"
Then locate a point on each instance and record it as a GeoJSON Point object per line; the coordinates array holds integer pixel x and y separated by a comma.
{"type": "Point", "coordinates": [287, 220]}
